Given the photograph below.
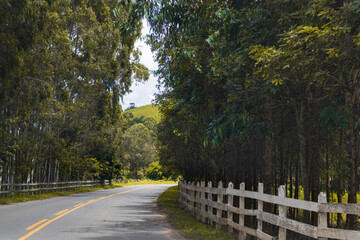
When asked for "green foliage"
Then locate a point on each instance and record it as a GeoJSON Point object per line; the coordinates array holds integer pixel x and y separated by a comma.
{"type": "Point", "coordinates": [260, 91]}
{"type": "Point", "coordinates": [64, 67]}
{"type": "Point", "coordinates": [155, 171]}
{"type": "Point", "coordinates": [333, 119]}
{"type": "Point", "coordinates": [149, 117]}
{"type": "Point", "coordinates": [145, 119]}
{"type": "Point", "coordinates": [139, 149]}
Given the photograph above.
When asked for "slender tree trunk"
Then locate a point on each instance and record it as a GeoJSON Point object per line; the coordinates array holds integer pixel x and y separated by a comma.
{"type": "Point", "coordinates": [296, 213]}
{"type": "Point", "coordinates": [284, 178]}
{"type": "Point", "coordinates": [303, 150]}
{"type": "Point", "coordinates": [291, 189]}
{"type": "Point", "coordinates": [4, 174]}
{"type": "Point", "coordinates": [327, 168]}
{"type": "Point", "coordinates": [268, 148]}
{"type": "Point", "coordinates": [314, 157]}
{"type": "Point", "coordinates": [351, 156]}
{"type": "Point", "coordinates": [327, 174]}
{"type": "Point", "coordinates": [268, 180]}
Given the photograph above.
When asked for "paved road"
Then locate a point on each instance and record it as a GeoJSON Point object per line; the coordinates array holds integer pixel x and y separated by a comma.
{"type": "Point", "coordinates": [122, 213]}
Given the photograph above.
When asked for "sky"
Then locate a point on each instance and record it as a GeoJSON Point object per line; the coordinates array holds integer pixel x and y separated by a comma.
{"type": "Point", "coordinates": [143, 93]}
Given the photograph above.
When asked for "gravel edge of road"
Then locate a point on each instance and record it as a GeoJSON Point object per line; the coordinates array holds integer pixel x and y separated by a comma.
{"type": "Point", "coordinates": [173, 233]}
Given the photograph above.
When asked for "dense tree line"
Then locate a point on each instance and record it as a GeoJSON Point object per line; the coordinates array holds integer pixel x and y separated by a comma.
{"type": "Point", "coordinates": [261, 91]}
{"type": "Point", "coordinates": [139, 145]}
{"type": "Point", "coordinates": [140, 156]}
{"type": "Point", "coordinates": [64, 66]}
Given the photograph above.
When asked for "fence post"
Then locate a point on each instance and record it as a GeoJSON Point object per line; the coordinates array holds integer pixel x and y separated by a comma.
{"type": "Point", "coordinates": [230, 203]}
{"type": "Point", "coordinates": [210, 210]}
{"type": "Point", "coordinates": [179, 194]}
{"type": "Point", "coordinates": [242, 235]}
{"type": "Point", "coordinates": [260, 207]}
{"type": "Point", "coordinates": [322, 216]}
{"type": "Point", "coordinates": [183, 192]}
{"type": "Point", "coordinates": [198, 203]}
{"type": "Point", "coordinates": [282, 212]}
{"type": "Point", "coordinates": [11, 185]}
{"type": "Point", "coordinates": [202, 205]}
{"type": "Point", "coordinates": [220, 201]}
{"type": "Point", "coordinates": [193, 185]}
{"type": "Point", "coordinates": [188, 201]}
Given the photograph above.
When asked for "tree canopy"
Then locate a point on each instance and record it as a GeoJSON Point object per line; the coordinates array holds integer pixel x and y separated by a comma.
{"type": "Point", "coordinates": [64, 67]}
{"type": "Point", "coordinates": [261, 91]}
{"type": "Point", "coordinates": [255, 91]}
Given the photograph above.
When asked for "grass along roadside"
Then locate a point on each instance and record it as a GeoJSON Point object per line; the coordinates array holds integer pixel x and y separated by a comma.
{"type": "Point", "coordinates": [187, 224]}
{"type": "Point", "coordinates": [142, 182]}
{"type": "Point", "coordinates": [24, 197]}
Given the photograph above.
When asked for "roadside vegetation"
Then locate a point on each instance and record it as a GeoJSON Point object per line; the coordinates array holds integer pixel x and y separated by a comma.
{"type": "Point", "coordinates": [190, 228]}
{"type": "Point", "coordinates": [140, 155]}
{"type": "Point", "coordinates": [262, 91]}
{"type": "Point", "coordinates": [24, 197]}
{"type": "Point", "coordinates": [66, 66]}
{"type": "Point", "coordinates": [254, 91]}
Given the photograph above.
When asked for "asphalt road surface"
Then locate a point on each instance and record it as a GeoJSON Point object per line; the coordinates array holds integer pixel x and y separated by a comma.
{"type": "Point", "coordinates": [122, 213]}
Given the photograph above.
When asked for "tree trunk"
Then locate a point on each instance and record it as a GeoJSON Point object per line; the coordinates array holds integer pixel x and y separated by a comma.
{"type": "Point", "coordinates": [327, 174]}
{"type": "Point", "coordinates": [351, 156]}
{"type": "Point", "coordinates": [296, 187]}
{"type": "Point", "coordinates": [268, 145]}
{"type": "Point", "coordinates": [302, 154]}
{"type": "Point", "coordinates": [314, 157]}
{"type": "Point", "coordinates": [268, 148]}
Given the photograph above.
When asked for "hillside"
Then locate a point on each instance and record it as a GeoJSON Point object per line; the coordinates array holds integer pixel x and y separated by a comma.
{"type": "Point", "coordinates": [150, 111]}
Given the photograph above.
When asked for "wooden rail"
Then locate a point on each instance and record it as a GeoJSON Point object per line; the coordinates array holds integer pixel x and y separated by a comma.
{"type": "Point", "coordinates": [215, 206]}
{"type": "Point", "coordinates": [35, 188]}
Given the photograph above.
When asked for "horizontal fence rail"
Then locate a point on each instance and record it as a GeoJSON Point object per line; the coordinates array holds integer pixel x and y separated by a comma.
{"type": "Point", "coordinates": [215, 206]}
{"type": "Point", "coordinates": [35, 188]}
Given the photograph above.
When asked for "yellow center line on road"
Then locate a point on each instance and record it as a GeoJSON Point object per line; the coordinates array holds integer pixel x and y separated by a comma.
{"type": "Point", "coordinates": [61, 212]}
{"type": "Point", "coordinates": [78, 205]}
{"type": "Point", "coordinates": [36, 224]}
{"type": "Point", "coordinates": [65, 213]}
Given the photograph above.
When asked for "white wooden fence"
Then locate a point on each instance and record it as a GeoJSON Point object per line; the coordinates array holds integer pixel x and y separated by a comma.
{"type": "Point", "coordinates": [34, 188]}
{"type": "Point", "coordinates": [198, 199]}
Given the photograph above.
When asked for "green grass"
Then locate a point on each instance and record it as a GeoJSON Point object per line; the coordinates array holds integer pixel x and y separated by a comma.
{"type": "Point", "coordinates": [23, 197]}
{"type": "Point", "coordinates": [187, 224]}
{"type": "Point", "coordinates": [151, 111]}
{"type": "Point", "coordinates": [131, 182]}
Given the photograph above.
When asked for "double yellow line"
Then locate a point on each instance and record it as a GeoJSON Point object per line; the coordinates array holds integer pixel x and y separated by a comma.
{"type": "Point", "coordinates": [43, 223]}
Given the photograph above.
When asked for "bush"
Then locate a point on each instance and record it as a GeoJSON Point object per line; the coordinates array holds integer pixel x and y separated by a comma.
{"type": "Point", "coordinates": [154, 171]}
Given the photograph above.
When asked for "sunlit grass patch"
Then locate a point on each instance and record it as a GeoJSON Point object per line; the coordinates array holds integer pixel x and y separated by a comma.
{"type": "Point", "coordinates": [131, 182]}
{"type": "Point", "coordinates": [150, 111]}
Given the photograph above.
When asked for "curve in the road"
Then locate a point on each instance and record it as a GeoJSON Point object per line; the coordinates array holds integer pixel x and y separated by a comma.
{"type": "Point", "coordinates": [43, 223]}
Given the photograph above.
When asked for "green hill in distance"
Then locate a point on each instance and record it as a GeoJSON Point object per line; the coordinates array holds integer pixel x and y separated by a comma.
{"type": "Point", "coordinates": [150, 111]}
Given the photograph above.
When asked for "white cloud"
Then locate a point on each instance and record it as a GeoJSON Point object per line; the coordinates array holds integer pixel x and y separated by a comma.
{"type": "Point", "coordinates": [143, 93]}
